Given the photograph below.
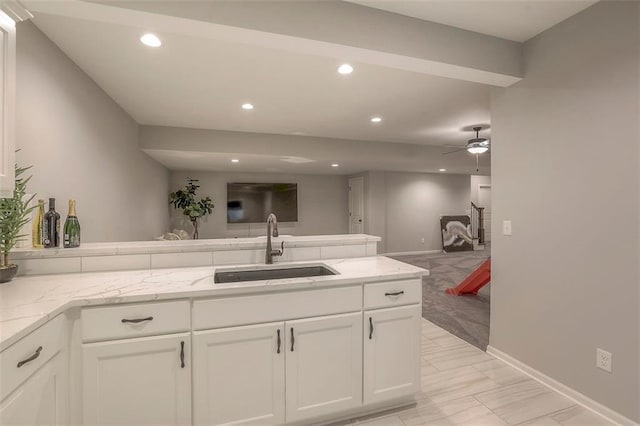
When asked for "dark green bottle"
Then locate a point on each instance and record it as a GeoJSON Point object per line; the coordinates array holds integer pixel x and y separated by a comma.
{"type": "Point", "coordinates": [51, 226]}
{"type": "Point", "coordinates": [72, 227]}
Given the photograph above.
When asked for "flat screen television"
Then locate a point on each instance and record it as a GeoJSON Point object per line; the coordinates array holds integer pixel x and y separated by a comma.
{"type": "Point", "coordinates": [252, 202]}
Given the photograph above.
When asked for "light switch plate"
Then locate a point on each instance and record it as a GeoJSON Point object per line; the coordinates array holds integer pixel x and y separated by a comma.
{"type": "Point", "coordinates": [506, 227]}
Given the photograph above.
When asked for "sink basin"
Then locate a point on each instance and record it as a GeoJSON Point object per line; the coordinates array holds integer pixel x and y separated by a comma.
{"type": "Point", "coordinates": [235, 276]}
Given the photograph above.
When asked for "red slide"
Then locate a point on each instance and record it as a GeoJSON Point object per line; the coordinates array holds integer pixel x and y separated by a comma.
{"type": "Point", "coordinates": [474, 282]}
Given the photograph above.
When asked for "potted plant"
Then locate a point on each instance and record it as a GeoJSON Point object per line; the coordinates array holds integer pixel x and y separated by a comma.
{"type": "Point", "coordinates": [14, 214]}
{"type": "Point", "coordinates": [185, 199]}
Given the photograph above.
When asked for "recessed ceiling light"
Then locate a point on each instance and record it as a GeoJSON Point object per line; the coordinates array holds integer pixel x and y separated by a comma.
{"type": "Point", "coordinates": [235, 160]}
{"type": "Point", "coordinates": [376, 119]}
{"type": "Point", "coordinates": [335, 165]}
{"type": "Point", "coordinates": [345, 69]}
{"type": "Point", "coordinates": [151, 40]}
{"type": "Point", "coordinates": [247, 106]}
{"type": "Point", "coordinates": [443, 170]}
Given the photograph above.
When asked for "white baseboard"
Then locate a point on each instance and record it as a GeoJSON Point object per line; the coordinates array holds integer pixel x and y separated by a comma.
{"type": "Point", "coordinates": [563, 389]}
{"type": "Point", "coordinates": [403, 253]}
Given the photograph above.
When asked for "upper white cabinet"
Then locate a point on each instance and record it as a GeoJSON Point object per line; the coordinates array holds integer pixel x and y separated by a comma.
{"type": "Point", "coordinates": [143, 381]}
{"type": "Point", "coordinates": [239, 375]}
{"type": "Point", "coordinates": [391, 353]}
{"type": "Point", "coordinates": [7, 104]}
{"type": "Point", "coordinates": [324, 365]}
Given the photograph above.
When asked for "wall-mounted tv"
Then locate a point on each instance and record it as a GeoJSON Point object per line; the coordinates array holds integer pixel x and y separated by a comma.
{"type": "Point", "coordinates": [252, 202]}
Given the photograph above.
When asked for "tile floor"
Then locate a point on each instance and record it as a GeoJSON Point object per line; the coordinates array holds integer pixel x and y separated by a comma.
{"type": "Point", "coordinates": [462, 385]}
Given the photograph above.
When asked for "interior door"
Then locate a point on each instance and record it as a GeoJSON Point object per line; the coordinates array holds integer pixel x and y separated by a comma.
{"type": "Point", "coordinates": [356, 205]}
{"type": "Point", "coordinates": [391, 353]}
{"type": "Point", "coordinates": [137, 381]}
{"type": "Point", "coordinates": [484, 198]}
{"type": "Point", "coordinates": [323, 366]}
{"type": "Point", "coordinates": [239, 375]}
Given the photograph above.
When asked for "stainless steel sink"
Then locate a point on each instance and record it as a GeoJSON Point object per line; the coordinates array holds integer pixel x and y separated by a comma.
{"type": "Point", "coordinates": [235, 276]}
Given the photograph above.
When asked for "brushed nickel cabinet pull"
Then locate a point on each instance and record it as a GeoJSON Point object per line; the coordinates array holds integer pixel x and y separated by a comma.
{"type": "Point", "coordinates": [137, 320]}
{"type": "Point", "coordinates": [35, 355]}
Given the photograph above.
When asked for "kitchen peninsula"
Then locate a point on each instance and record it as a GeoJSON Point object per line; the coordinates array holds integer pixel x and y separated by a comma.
{"type": "Point", "coordinates": [192, 351]}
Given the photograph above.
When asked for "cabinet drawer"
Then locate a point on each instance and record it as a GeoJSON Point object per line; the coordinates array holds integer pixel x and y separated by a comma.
{"type": "Point", "coordinates": [231, 311]}
{"type": "Point", "coordinates": [136, 320]}
{"type": "Point", "coordinates": [31, 353]}
{"type": "Point", "coordinates": [392, 293]}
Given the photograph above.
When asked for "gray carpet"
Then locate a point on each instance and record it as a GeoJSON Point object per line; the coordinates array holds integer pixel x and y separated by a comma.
{"type": "Point", "coordinates": [464, 316]}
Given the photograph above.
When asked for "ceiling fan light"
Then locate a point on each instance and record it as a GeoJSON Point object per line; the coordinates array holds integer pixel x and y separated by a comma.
{"type": "Point", "coordinates": [478, 149]}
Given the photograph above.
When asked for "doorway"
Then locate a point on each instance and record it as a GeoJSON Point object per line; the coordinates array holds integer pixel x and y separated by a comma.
{"type": "Point", "coordinates": [356, 205]}
{"type": "Point", "coordinates": [484, 200]}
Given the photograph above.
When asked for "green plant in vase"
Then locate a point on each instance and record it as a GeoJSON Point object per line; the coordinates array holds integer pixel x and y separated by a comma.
{"type": "Point", "coordinates": [15, 212]}
{"type": "Point", "coordinates": [194, 209]}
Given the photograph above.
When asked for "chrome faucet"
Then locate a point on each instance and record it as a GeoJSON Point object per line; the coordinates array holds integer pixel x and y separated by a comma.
{"type": "Point", "coordinates": [272, 229]}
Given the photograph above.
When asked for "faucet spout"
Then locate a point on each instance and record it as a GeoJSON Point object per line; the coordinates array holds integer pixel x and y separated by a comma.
{"type": "Point", "coordinates": [272, 230]}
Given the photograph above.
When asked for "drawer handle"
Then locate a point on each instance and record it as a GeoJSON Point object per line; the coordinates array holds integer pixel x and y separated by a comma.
{"type": "Point", "coordinates": [182, 354]}
{"type": "Point", "coordinates": [370, 328]}
{"type": "Point", "coordinates": [293, 340]}
{"type": "Point", "coordinates": [137, 320]}
{"type": "Point", "coordinates": [397, 293]}
{"type": "Point", "coordinates": [279, 342]}
{"type": "Point", "coordinates": [35, 355]}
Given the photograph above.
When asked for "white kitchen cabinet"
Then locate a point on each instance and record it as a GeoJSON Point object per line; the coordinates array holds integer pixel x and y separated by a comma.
{"type": "Point", "coordinates": [41, 399]}
{"type": "Point", "coordinates": [323, 365]}
{"type": "Point", "coordinates": [141, 381]}
{"type": "Point", "coordinates": [239, 375]}
{"type": "Point", "coordinates": [391, 353]}
{"type": "Point", "coordinates": [7, 104]}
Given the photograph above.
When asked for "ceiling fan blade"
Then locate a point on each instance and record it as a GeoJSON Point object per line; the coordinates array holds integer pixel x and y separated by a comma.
{"type": "Point", "coordinates": [455, 150]}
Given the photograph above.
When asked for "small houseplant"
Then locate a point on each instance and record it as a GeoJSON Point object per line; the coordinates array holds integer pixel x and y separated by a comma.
{"type": "Point", "coordinates": [185, 199]}
{"type": "Point", "coordinates": [14, 214]}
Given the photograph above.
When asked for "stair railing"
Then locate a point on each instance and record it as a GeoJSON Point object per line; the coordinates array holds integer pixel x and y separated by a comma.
{"type": "Point", "coordinates": [477, 223]}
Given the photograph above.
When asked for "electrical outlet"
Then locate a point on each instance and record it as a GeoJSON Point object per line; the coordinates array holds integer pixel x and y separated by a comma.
{"type": "Point", "coordinates": [422, 240]}
{"type": "Point", "coordinates": [604, 360]}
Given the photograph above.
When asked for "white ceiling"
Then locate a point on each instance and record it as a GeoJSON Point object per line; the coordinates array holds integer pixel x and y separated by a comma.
{"type": "Point", "coordinates": [201, 83]}
{"type": "Point", "coordinates": [196, 81]}
{"type": "Point", "coordinates": [516, 20]}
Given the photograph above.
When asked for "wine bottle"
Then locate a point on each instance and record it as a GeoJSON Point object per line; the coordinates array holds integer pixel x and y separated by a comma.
{"type": "Point", "coordinates": [38, 224]}
{"type": "Point", "coordinates": [72, 227]}
{"type": "Point", "coordinates": [51, 226]}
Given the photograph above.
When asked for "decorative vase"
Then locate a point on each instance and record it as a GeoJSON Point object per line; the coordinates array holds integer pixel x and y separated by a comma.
{"type": "Point", "coordinates": [8, 272]}
{"type": "Point", "coordinates": [195, 229]}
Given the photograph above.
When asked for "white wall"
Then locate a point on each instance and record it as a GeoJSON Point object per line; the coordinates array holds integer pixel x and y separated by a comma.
{"type": "Point", "coordinates": [565, 169]}
{"type": "Point", "coordinates": [82, 145]}
{"type": "Point", "coordinates": [403, 208]}
{"type": "Point", "coordinates": [322, 204]}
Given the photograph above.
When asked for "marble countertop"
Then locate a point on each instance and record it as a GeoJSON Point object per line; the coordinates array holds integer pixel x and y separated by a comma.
{"type": "Point", "coordinates": [30, 301]}
{"type": "Point", "coordinates": [186, 246]}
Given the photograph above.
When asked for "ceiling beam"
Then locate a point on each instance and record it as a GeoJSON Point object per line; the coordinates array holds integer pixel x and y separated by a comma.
{"type": "Point", "coordinates": [387, 156]}
{"type": "Point", "coordinates": [345, 31]}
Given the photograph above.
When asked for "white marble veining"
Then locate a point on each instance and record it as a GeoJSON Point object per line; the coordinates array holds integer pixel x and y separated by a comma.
{"type": "Point", "coordinates": [188, 246]}
{"type": "Point", "coordinates": [28, 302]}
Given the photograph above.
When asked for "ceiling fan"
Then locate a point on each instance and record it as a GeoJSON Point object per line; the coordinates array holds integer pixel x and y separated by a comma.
{"type": "Point", "coordinates": [475, 146]}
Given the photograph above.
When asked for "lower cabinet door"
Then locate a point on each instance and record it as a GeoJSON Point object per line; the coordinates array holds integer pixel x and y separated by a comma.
{"type": "Point", "coordinates": [391, 353]}
{"type": "Point", "coordinates": [324, 365]}
{"type": "Point", "coordinates": [145, 381]}
{"type": "Point", "coordinates": [239, 375]}
{"type": "Point", "coordinates": [41, 400]}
